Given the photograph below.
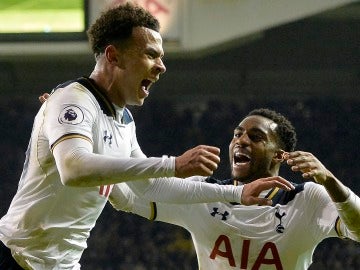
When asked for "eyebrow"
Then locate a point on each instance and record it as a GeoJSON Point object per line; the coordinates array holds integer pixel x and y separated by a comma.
{"type": "Point", "coordinates": [239, 128]}
{"type": "Point", "coordinates": [152, 51]}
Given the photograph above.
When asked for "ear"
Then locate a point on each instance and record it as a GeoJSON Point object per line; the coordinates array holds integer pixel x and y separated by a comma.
{"type": "Point", "coordinates": [112, 55]}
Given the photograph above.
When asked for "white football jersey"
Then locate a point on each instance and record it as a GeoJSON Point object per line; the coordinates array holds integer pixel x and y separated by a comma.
{"type": "Point", "coordinates": [47, 222]}
{"type": "Point", "coordinates": [232, 236]}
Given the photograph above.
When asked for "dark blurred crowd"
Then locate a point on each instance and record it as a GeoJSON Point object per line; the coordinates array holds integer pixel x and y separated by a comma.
{"type": "Point", "coordinates": [327, 127]}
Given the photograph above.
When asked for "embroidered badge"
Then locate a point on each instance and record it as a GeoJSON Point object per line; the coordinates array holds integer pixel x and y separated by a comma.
{"type": "Point", "coordinates": [72, 115]}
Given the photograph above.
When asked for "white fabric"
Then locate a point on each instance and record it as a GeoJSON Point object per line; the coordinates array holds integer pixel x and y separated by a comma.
{"type": "Point", "coordinates": [77, 153]}
{"type": "Point", "coordinates": [177, 191]}
{"type": "Point", "coordinates": [79, 166]}
{"type": "Point", "coordinates": [48, 223]}
{"type": "Point", "coordinates": [349, 212]}
{"type": "Point", "coordinates": [251, 235]}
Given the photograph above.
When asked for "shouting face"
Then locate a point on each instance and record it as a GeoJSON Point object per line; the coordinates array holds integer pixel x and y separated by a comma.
{"type": "Point", "coordinates": [139, 65]}
{"type": "Point", "coordinates": [253, 149]}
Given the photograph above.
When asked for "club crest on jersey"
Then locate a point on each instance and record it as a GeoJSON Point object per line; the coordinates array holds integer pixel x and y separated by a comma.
{"type": "Point", "coordinates": [216, 212]}
{"type": "Point", "coordinates": [279, 228]}
{"type": "Point", "coordinates": [72, 115]}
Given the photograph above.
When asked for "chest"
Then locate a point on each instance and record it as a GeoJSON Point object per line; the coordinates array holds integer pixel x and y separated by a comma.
{"type": "Point", "coordinates": [113, 138]}
{"type": "Point", "coordinates": [253, 237]}
{"type": "Point", "coordinates": [261, 222]}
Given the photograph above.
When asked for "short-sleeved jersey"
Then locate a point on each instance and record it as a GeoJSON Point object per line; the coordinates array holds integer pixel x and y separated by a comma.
{"type": "Point", "coordinates": [281, 236]}
{"type": "Point", "coordinates": [48, 223]}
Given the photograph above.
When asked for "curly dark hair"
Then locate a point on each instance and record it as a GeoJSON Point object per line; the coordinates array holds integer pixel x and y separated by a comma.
{"type": "Point", "coordinates": [116, 24]}
{"type": "Point", "coordinates": [285, 129]}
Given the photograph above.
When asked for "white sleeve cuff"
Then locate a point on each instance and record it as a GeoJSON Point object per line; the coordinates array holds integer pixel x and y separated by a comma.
{"type": "Point", "coordinates": [349, 213]}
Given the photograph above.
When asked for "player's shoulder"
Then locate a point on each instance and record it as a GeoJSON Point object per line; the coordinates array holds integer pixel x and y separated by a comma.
{"type": "Point", "coordinates": [283, 197]}
{"type": "Point", "coordinates": [307, 190]}
{"type": "Point", "coordinates": [90, 90]}
{"type": "Point", "coordinates": [71, 89]}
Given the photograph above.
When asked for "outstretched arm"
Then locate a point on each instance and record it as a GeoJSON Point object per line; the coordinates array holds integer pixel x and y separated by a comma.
{"type": "Point", "coordinates": [346, 201]}
{"type": "Point", "coordinates": [136, 196]}
{"type": "Point", "coordinates": [79, 166]}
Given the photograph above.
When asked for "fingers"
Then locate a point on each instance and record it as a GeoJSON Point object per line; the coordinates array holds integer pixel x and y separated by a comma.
{"type": "Point", "coordinates": [43, 97]}
{"type": "Point", "coordinates": [272, 182]}
{"type": "Point", "coordinates": [252, 190]}
{"type": "Point", "coordinates": [207, 158]}
{"type": "Point", "coordinates": [263, 201]}
{"type": "Point", "coordinates": [258, 201]}
{"type": "Point", "coordinates": [210, 154]}
{"type": "Point", "coordinates": [201, 160]}
{"type": "Point", "coordinates": [301, 161]}
{"type": "Point", "coordinates": [211, 149]}
{"type": "Point", "coordinates": [308, 165]}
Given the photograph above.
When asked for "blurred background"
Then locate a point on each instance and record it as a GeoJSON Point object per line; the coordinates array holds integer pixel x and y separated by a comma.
{"type": "Point", "coordinates": [224, 58]}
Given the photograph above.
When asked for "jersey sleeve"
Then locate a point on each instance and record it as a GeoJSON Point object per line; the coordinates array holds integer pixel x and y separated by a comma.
{"type": "Point", "coordinates": [321, 211]}
{"type": "Point", "coordinates": [122, 198]}
{"type": "Point", "coordinates": [69, 112]}
{"type": "Point", "coordinates": [348, 223]}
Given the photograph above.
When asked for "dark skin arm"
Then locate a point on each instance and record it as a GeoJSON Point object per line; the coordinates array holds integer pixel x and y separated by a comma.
{"type": "Point", "coordinates": [311, 167]}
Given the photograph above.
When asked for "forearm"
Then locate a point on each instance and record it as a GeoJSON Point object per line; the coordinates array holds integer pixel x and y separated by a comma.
{"type": "Point", "coordinates": [337, 191]}
{"type": "Point", "coordinates": [78, 166]}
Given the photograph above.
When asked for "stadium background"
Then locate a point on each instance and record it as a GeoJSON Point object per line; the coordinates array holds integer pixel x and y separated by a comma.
{"type": "Point", "coordinates": [307, 69]}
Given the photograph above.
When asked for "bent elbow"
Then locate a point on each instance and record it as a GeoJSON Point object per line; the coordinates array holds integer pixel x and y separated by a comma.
{"type": "Point", "coordinates": [76, 178]}
{"type": "Point", "coordinates": [69, 181]}
{"type": "Point", "coordinates": [74, 174]}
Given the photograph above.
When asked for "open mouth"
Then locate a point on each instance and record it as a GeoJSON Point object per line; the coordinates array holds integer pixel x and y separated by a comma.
{"type": "Point", "coordinates": [145, 85]}
{"type": "Point", "coordinates": [240, 158]}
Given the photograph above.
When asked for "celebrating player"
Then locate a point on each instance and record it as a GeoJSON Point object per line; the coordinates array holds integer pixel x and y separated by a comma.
{"type": "Point", "coordinates": [83, 143]}
{"type": "Point", "coordinates": [282, 233]}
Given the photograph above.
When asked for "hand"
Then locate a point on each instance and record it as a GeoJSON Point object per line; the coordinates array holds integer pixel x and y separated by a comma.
{"type": "Point", "coordinates": [43, 97]}
{"type": "Point", "coordinates": [309, 166]}
{"type": "Point", "coordinates": [201, 160]}
{"type": "Point", "coordinates": [252, 190]}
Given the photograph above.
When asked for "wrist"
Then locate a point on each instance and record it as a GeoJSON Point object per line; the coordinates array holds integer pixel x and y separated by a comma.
{"type": "Point", "coordinates": [337, 191]}
{"type": "Point", "coordinates": [169, 162]}
{"type": "Point", "coordinates": [238, 193]}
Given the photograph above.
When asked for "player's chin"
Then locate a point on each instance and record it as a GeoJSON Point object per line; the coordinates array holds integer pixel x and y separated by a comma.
{"type": "Point", "coordinates": [239, 175]}
{"type": "Point", "coordinates": [140, 100]}
{"type": "Point", "coordinates": [236, 175]}
{"type": "Point", "coordinates": [137, 102]}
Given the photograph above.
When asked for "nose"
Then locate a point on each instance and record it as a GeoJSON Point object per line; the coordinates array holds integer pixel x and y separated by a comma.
{"type": "Point", "coordinates": [243, 139]}
{"type": "Point", "coordinates": [160, 67]}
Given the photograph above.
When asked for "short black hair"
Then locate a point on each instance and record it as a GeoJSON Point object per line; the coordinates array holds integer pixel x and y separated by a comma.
{"type": "Point", "coordinates": [116, 25]}
{"type": "Point", "coordinates": [285, 130]}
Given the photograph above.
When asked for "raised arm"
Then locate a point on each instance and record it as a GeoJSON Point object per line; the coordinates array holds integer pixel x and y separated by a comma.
{"type": "Point", "coordinates": [346, 201]}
